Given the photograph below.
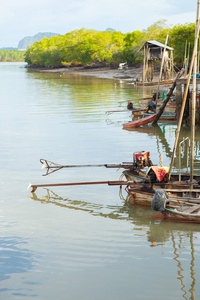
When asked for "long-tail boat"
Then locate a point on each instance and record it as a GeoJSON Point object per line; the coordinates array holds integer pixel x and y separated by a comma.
{"type": "Point", "coordinates": [189, 213]}
{"type": "Point", "coordinates": [140, 122]}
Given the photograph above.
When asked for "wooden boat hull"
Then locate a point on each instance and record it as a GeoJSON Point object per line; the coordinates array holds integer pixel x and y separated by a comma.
{"type": "Point", "coordinates": [142, 194]}
{"type": "Point", "coordinates": [163, 117]}
{"type": "Point", "coordinates": [139, 122]}
{"type": "Point", "coordinates": [189, 215]}
{"type": "Point", "coordinates": [155, 83]}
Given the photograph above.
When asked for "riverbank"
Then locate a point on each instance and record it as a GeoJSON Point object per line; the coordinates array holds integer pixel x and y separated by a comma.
{"type": "Point", "coordinates": [129, 75]}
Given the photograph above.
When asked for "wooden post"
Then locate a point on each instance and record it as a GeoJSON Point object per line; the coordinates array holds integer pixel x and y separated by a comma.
{"type": "Point", "coordinates": [162, 107]}
{"type": "Point", "coordinates": [187, 60]}
{"type": "Point", "coordinates": [144, 67]}
{"type": "Point", "coordinates": [186, 92]}
{"type": "Point", "coordinates": [179, 100]}
{"type": "Point", "coordinates": [184, 64]}
{"type": "Point", "coordinates": [172, 64]}
{"type": "Point", "coordinates": [162, 62]}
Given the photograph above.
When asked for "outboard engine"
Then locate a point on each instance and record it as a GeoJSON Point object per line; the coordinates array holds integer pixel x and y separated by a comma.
{"type": "Point", "coordinates": [141, 159]}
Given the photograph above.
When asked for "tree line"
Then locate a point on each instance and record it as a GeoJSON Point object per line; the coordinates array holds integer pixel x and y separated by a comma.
{"type": "Point", "coordinates": [11, 56]}
{"type": "Point", "coordinates": [88, 47]}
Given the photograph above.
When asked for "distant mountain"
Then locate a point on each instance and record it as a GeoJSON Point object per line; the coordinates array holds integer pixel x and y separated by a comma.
{"type": "Point", "coordinates": [110, 29]}
{"type": "Point", "coordinates": [29, 40]}
{"type": "Point", "coordinates": [8, 48]}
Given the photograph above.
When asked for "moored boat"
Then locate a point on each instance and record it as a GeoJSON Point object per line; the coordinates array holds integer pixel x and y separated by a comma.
{"type": "Point", "coordinates": [178, 192]}
{"type": "Point", "coordinates": [146, 178]}
{"type": "Point", "coordinates": [187, 214]}
{"type": "Point", "coordinates": [183, 213]}
{"type": "Point", "coordinates": [169, 116]}
{"type": "Point", "coordinates": [139, 122]}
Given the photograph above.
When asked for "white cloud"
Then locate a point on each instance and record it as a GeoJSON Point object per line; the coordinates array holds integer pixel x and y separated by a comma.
{"type": "Point", "coordinates": [20, 18]}
{"type": "Point", "coordinates": [184, 18]}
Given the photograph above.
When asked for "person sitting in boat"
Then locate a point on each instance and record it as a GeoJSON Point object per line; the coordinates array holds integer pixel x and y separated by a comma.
{"type": "Point", "coordinates": [151, 106]}
{"type": "Point", "coordinates": [130, 105]}
{"type": "Point", "coordinates": [173, 98]}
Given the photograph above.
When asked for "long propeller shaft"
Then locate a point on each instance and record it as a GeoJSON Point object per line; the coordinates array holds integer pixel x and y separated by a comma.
{"type": "Point", "coordinates": [35, 186]}
{"type": "Point", "coordinates": [52, 167]}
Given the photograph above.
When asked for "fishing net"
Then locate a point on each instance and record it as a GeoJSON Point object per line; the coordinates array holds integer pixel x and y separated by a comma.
{"type": "Point", "coordinates": [159, 200]}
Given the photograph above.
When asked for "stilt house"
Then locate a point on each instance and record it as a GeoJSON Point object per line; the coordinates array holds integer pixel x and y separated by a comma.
{"type": "Point", "coordinates": [153, 53]}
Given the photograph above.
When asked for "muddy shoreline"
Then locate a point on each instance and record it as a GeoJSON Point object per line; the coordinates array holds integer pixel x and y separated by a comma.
{"type": "Point", "coordinates": [130, 75]}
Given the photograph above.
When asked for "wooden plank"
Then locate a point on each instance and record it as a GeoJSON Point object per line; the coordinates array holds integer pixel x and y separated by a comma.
{"type": "Point", "coordinates": [183, 190]}
{"type": "Point", "coordinates": [192, 209]}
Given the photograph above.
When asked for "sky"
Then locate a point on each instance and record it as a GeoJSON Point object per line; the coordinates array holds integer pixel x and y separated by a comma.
{"type": "Point", "coordinates": [21, 18]}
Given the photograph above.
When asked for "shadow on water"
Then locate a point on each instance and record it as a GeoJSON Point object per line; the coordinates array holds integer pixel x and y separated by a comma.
{"type": "Point", "coordinates": [158, 234]}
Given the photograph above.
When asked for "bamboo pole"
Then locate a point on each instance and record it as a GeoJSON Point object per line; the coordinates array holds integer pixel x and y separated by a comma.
{"type": "Point", "coordinates": [185, 94]}
{"type": "Point", "coordinates": [194, 98]}
{"type": "Point", "coordinates": [198, 57]}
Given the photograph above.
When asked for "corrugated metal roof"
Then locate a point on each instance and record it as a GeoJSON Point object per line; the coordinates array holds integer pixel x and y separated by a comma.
{"type": "Point", "coordinates": [152, 44]}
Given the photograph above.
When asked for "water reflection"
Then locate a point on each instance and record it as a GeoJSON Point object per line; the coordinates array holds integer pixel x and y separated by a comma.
{"type": "Point", "coordinates": [176, 241]}
{"type": "Point", "coordinates": [95, 209]}
{"type": "Point", "coordinates": [80, 96]}
{"type": "Point", "coordinates": [182, 238]}
{"type": "Point", "coordinates": [138, 215]}
{"type": "Point", "coordinates": [161, 134]}
{"type": "Point", "coordinates": [48, 115]}
{"type": "Point", "coordinates": [180, 269]}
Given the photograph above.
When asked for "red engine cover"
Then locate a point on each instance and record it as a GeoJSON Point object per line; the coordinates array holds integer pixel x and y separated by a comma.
{"type": "Point", "coordinates": [140, 155]}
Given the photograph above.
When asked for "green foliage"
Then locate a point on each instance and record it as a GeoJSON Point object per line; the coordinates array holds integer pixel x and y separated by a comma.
{"type": "Point", "coordinates": [179, 36]}
{"type": "Point", "coordinates": [11, 55]}
{"type": "Point", "coordinates": [89, 46]}
{"type": "Point", "coordinates": [133, 42]}
{"type": "Point", "coordinates": [79, 47]}
{"type": "Point", "coordinates": [154, 31]}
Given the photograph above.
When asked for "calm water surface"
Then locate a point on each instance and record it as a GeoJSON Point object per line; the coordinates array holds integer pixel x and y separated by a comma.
{"type": "Point", "coordinates": [83, 242]}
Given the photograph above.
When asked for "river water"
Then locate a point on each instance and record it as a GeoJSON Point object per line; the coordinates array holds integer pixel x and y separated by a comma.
{"type": "Point", "coordinates": [83, 242]}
